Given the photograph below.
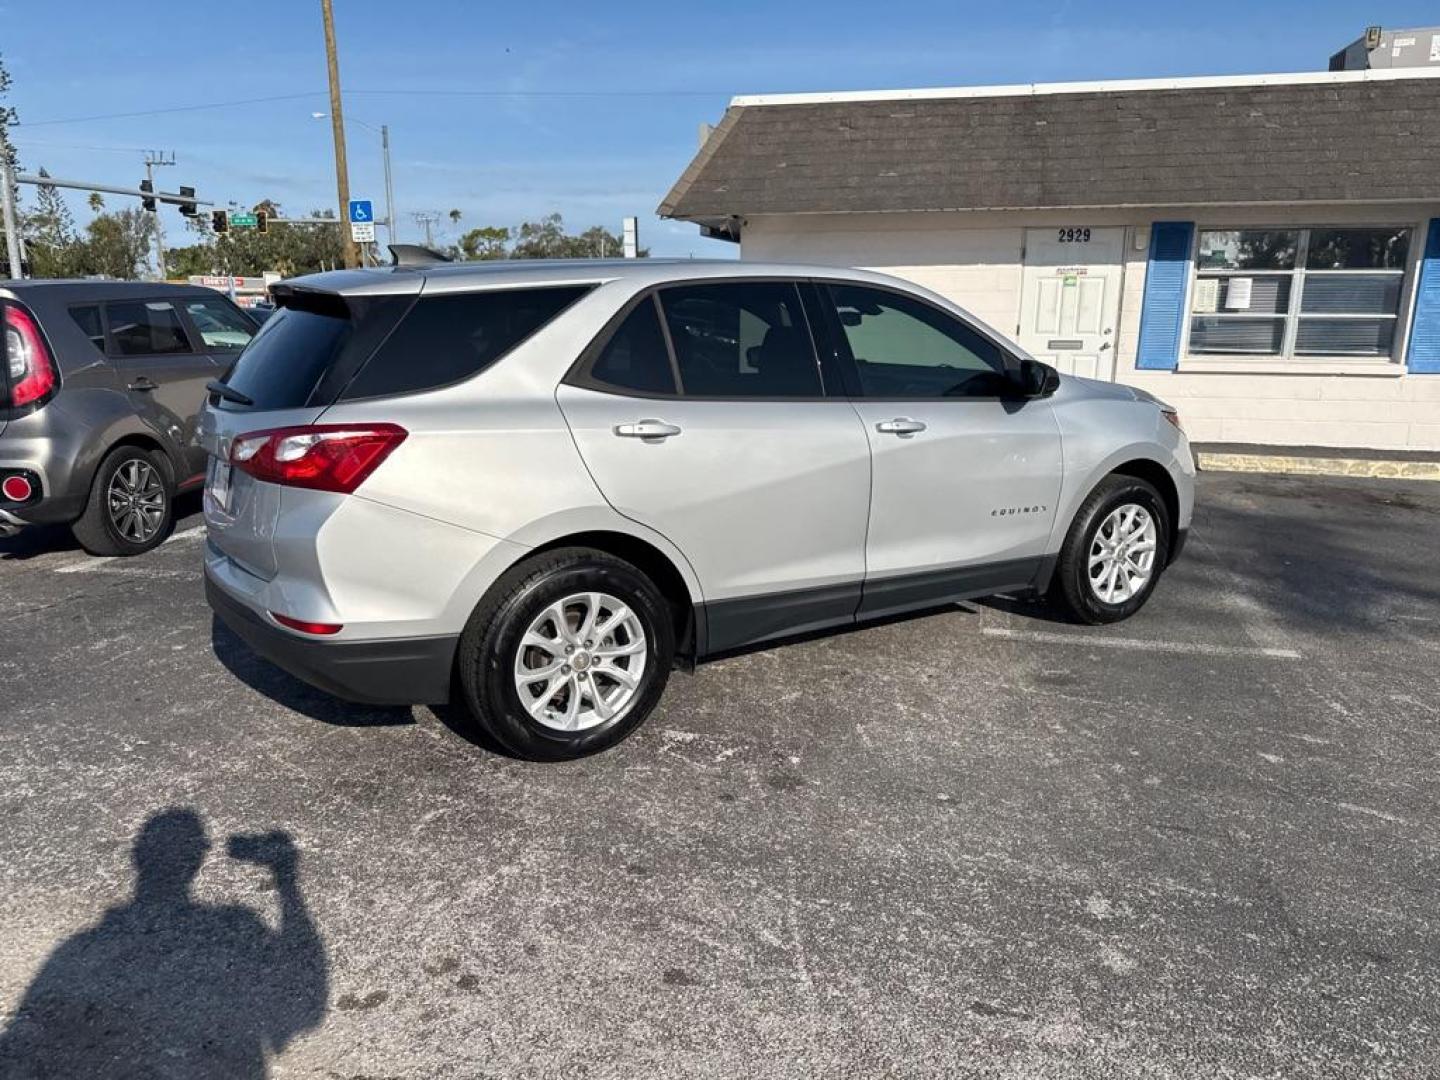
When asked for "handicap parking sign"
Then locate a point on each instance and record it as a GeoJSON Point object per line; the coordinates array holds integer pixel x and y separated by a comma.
{"type": "Point", "coordinates": [361, 210]}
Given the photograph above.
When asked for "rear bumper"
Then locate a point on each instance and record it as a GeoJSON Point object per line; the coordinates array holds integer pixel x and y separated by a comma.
{"type": "Point", "coordinates": [407, 671]}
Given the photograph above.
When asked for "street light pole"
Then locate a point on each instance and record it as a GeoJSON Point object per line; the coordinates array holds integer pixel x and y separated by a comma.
{"type": "Point", "coordinates": [12, 228]}
{"type": "Point", "coordinates": [389, 187]}
{"type": "Point", "coordinates": [337, 127]}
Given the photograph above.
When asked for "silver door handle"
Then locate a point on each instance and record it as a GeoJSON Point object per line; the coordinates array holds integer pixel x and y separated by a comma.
{"type": "Point", "coordinates": [901, 425]}
{"type": "Point", "coordinates": [647, 429]}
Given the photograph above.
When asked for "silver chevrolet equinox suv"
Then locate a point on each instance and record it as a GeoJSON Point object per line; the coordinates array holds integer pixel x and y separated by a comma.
{"type": "Point", "coordinates": [100, 386]}
{"type": "Point", "coordinates": [541, 486]}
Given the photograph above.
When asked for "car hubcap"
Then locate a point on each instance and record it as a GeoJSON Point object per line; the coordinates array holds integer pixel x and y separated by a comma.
{"type": "Point", "coordinates": [581, 662]}
{"type": "Point", "coordinates": [137, 501]}
{"type": "Point", "coordinates": [1122, 554]}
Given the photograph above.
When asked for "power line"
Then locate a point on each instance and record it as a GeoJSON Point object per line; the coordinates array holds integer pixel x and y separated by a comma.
{"type": "Point", "coordinates": [173, 109]}
{"type": "Point", "coordinates": [487, 93]}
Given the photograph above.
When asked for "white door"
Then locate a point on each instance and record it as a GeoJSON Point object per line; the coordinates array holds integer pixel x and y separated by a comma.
{"type": "Point", "coordinates": [1070, 298]}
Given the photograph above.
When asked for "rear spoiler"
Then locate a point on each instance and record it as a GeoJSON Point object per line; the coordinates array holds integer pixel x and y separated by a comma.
{"type": "Point", "coordinates": [416, 255]}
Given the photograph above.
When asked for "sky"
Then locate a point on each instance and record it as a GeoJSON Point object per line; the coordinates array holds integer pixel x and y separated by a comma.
{"type": "Point", "coordinates": [509, 111]}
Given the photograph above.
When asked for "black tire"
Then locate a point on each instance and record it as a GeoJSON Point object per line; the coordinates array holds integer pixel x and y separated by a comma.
{"type": "Point", "coordinates": [97, 528]}
{"type": "Point", "coordinates": [1071, 588]}
{"type": "Point", "coordinates": [490, 644]}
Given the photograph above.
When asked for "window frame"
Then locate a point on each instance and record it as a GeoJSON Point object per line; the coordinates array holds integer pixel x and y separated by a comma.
{"type": "Point", "coordinates": [112, 352]}
{"type": "Point", "coordinates": [581, 375]}
{"type": "Point", "coordinates": [1286, 356]}
{"type": "Point", "coordinates": [854, 388]}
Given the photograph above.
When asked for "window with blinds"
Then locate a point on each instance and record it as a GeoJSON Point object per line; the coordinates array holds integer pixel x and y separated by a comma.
{"type": "Point", "coordinates": [1301, 293]}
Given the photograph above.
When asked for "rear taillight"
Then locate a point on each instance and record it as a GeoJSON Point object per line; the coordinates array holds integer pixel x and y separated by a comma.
{"type": "Point", "coordinates": [27, 358]}
{"type": "Point", "coordinates": [326, 457]}
{"type": "Point", "coordinates": [305, 626]}
{"type": "Point", "coordinates": [1174, 418]}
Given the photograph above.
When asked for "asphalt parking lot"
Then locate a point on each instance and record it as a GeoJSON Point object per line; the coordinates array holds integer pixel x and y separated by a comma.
{"type": "Point", "coordinates": [976, 842]}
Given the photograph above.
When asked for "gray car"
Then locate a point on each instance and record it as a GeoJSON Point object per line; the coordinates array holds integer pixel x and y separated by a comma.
{"type": "Point", "coordinates": [541, 486]}
{"type": "Point", "coordinates": [100, 386]}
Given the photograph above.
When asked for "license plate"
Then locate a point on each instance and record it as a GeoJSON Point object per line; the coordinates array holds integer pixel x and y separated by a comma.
{"type": "Point", "coordinates": [219, 486]}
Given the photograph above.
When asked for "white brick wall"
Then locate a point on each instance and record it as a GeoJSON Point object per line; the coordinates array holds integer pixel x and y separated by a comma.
{"type": "Point", "coordinates": [974, 258]}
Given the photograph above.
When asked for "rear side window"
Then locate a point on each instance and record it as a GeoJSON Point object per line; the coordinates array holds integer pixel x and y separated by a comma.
{"type": "Point", "coordinates": [635, 357]}
{"type": "Point", "coordinates": [145, 328]}
{"type": "Point", "coordinates": [447, 338]}
{"type": "Point", "coordinates": [310, 348]}
{"type": "Point", "coordinates": [88, 319]}
{"type": "Point", "coordinates": [741, 339]}
{"type": "Point", "coordinates": [220, 325]}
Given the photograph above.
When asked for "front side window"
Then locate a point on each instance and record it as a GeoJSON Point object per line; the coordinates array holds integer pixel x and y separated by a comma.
{"type": "Point", "coordinates": [145, 328]}
{"type": "Point", "coordinates": [904, 348]}
{"type": "Point", "coordinates": [220, 326]}
{"type": "Point", "coordinates": [741, 339]}
{"type": "Point", "coordinates": [1297, 292]}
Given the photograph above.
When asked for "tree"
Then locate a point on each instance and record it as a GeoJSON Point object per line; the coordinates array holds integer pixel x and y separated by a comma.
{"type": "Point", "coordinates": [116, 245]}
{"type": "Point", "coordinates": [543, 239]}
{"type": "Point", "coordinates": [289, 250]}
{"type": "Point", "coordinates": [54, 248]}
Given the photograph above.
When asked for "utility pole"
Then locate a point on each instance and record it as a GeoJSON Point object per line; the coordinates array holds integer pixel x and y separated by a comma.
{"type": "Point", "coordinates": [337, 127]}
{"type": "Point", "coordinates": [12, 227]}
{"type": "Point", "coordinates": [153, 158]}
{"type": "Point", "coordinates": [426, 219]}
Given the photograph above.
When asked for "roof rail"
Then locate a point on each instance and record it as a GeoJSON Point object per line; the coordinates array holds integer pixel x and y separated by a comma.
{"type": "Point", "coordinates": [416, 255]}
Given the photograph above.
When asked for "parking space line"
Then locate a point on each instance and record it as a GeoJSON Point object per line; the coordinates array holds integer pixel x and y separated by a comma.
{"type": "Point", "coordinates": [91, 564]}
{"type": "Point", "coordinates": [1198, 648]}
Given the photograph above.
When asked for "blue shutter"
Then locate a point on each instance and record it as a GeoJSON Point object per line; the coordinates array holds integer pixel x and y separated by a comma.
{"type": "Point", "coordinates": [1162, 316]}
{"type": "Point", "coordinates": [1423, 355]}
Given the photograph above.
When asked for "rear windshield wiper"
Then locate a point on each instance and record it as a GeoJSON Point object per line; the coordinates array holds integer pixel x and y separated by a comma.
{"type": "Point", "coordinates": [229, 393]}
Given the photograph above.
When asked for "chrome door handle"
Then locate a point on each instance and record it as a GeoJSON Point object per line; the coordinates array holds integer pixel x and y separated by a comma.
{"type": "Point", "coordinates": [901, 425]}
{"type": "Point", "coordinates": [649, 430]}
{"type": "Point", "coordinates": [142, 383]}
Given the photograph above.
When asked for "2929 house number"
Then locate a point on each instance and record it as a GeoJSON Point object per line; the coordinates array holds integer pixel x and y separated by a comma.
{"type": "Point", "coordinates": [1074, 236]}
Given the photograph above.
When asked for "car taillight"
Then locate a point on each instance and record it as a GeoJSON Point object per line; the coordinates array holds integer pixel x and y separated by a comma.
{"type": "Point", "coordinates": [28, 360]}
{"type": "Point", "coordinates": [321, 629]}
{"type": "Point", "coordinates": [326, 457]}
{"type": "Point", "coordinates": [1174, 418]}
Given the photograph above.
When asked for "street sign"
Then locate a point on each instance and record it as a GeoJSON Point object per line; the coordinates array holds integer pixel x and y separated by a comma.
{"type": "Point", "coordinates": [361, 212]}
{"type": "Point", "coordinates": [362, 232]}
{"type": "Point", "coordinates": [243, 221]}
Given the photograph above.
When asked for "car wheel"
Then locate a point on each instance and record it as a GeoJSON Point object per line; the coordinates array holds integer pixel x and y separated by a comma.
{"type": "Point", "coordinates": [566, 655]}
{"type": "Point", "coordinates": [1114, 553]}
{"type": "Point", "coordinates": [130, 509]}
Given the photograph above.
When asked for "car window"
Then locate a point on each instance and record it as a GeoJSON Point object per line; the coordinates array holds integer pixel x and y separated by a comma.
{"type": "Point", "coordinates": [741, 339]}
{"type": "Point", "coordinates": [635, 357]}
{"type": "Point", "coordinates": [220, 326]}
{"type": "Point", "coordinates": [145, 327]}
{"type": "Point", "coordinates": [88, 319]}
{"type": "Point", "coordinates": [904, 348]}
{"type": "Point", "coordinates": [446, 338]}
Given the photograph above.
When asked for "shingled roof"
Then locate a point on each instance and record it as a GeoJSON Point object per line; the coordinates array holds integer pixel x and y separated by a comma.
{"type": "Point", "coordinates": [1322, 137]}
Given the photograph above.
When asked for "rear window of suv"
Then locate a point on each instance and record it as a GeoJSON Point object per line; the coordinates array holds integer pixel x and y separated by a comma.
{"type": "Point", "coordinates": [446, 338]}
{"type": "Point", "coordinates": [309, 349]}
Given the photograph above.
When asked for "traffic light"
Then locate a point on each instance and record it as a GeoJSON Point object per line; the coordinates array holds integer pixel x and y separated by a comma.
{"type": "Point", "coordinates": [220, 221]}
{"type": "Point", "coordinates": [187, 206]}
{"type": "Point", "coordinates": [147, 202]}
{"type": "Point", "coordinates": [262, 221]}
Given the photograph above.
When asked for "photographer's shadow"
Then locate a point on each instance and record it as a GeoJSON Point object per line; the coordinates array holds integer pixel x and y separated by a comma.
{"type": "Point", "coordinates": [165, 986]}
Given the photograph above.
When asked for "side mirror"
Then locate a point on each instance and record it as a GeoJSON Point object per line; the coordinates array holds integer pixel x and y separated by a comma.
{"type": "Point", "coordinates": [1036, 380]}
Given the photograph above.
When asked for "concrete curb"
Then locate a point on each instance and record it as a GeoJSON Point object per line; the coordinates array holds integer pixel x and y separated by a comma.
{"type": "Point", "coordinates": [1379, 468]}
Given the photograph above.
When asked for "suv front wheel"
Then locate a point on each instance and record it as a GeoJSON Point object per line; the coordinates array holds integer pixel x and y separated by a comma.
{"type": "Point", "coordinates": [1114, 553]}
{"type": "Point", "coordinates": [130, 509]}
{"type": "Point", "coordinates": [566, 655]}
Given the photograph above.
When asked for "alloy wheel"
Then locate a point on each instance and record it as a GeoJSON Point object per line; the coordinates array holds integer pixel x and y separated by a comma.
{"type": "Point", "coordinates": [581, 662]}
{"type": "Point", "coordinates": [1122, 554]}
{"type": "Point", "coordinates": [136, 500]}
